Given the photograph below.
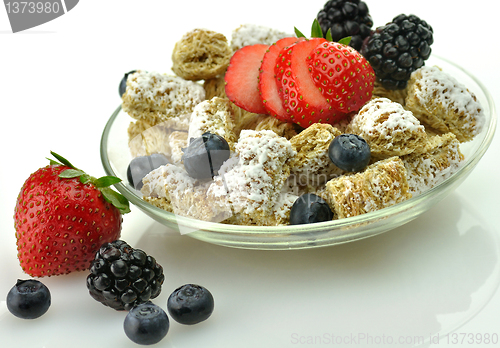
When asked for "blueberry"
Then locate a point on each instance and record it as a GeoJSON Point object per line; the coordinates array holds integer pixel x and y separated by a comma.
{"type": "Point", "coordinates": [190, 304]}
{"type": "Point", "coordinates": [141, 166]}
{"type": "Point", "coordinates": [123, 83]}
{"type": "Point", "coordinates": [204, 155]}
{"type": "Point", "coordinates": [349, 152]}
{"type": "Point", "coordinates": [146, 324]}
{"type": "Point", "coordinates": [28, 299]}
{"type": "Point", "coordinates": [310, 208]}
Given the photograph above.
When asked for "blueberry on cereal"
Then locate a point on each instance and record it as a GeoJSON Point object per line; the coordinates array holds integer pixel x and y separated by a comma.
{"type": "Point", "coordinates": [141, 166]}
{"type": "Point", "coordinates": [123, 83]}
{"type": "Point", "coordinates": [349, 152]}
{"type": "Point", "coordinates": [205, 155]}
{"type": "Point", "coordinates": [310, 208]}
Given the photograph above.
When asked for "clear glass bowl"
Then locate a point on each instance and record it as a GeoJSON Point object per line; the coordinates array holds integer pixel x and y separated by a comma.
{"type": "Point", "coordinates": [115, 157]}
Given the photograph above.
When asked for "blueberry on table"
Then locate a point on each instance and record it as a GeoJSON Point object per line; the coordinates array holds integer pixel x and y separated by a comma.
{"type": "Point", "coordinates": [123, 83]}
{"type": "Point", "coordinates": [310, 208]}
{"type": "Point", "coordinates": [146, 324]}
{"type": "Point", "coordinates": [190, 304]}
{"type": "Point", "coordinates": [28, 299]}
{"type": "Point", "coordinates": [349, 152]}
{"type": "Point", "coordinates": [205, 155]}
{"type": "Point", "coordinates": [141, 166]}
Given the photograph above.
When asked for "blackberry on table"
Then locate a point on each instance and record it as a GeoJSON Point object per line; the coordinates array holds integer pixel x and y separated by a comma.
{"type": "Point", "coordinates": [346, 18]}
{"type": "Point", "coordinates": [397, 49]}
{"type": "Point", "coordinates": [122, 277]}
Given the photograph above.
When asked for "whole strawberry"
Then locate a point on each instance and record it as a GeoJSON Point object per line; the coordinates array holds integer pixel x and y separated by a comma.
{"type": "Point", "coordinates": [62, 217]}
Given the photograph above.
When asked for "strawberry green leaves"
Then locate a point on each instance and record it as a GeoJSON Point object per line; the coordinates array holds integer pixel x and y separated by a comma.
{"type": "Point", "coordinates": [102, 184]}
{"type": "Point", "coordinates": [316, 32]}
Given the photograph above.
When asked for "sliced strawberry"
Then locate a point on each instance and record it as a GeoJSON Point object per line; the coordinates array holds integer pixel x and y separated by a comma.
{"type": "Point", "coordinates": [342, 75]}
{"type": "Point", "coordinates": [303, 102]}
{"type": "Point", "coordinates": [267, 82]}
{"type": "Point", "coordinates": [242, 78]}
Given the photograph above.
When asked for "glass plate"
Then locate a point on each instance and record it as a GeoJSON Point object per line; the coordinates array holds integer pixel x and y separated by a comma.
{"type": "Point", "coordinates": [116, 156]}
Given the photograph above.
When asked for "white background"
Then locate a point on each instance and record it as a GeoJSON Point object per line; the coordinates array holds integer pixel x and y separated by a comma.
{"type": "Point", "coordinates": [439, 273]}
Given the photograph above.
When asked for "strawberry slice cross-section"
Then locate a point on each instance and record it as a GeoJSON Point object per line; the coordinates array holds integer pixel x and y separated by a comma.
{"type": "Point", "coordinates": [267, 82]}
{"type": "Point", "coordinates": [242, 78]}
{"type": "Point", "coordinates": [303, 102]}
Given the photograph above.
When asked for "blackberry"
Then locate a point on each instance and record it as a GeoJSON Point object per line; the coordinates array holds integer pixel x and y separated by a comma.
{"type": "Point", "coordinates": [346, 18]}
{"type": "Point", "coordinates": [397, 49]}
{"type": "Point", "coordinates": [122, 277]}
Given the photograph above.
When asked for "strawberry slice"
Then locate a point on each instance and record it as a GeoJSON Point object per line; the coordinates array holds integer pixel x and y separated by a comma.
{"type": "Point", "coordinates": [342, 75]}
{"type": "Point", "coordinates": [304, 104]}
{"type": "Point", "coordinates": [267, 82]}
{"type": "Point", "coordinates": [242, 78]}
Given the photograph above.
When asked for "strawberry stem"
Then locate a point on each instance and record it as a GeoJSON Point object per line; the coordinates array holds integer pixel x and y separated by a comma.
{"type": "Point", "coordinates": [102, 184]}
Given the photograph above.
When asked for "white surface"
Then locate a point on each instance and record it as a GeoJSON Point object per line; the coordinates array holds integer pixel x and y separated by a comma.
{"type": "Point", "coordinates": [435, 275]}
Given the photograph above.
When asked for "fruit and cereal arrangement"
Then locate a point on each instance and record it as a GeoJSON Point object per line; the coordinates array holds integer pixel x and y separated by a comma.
{"type": "Point", "coordinates": [68, 221]}
{"type": "Point", "coordinates": [349, 120]}
{"type": "Point", "coordinates": [268, 129]}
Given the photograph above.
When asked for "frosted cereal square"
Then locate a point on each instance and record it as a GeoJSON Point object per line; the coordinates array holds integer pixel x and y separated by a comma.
{"type": "Point", "coordinates": [388, 128]}
{"type": "Point", "coordinates": [381, 185]}
{"type": "Point", "coordinates": [146, 139]}
{"type": "Point", "coordinates": [251, 34]}
{"type": "Point", "coordinates": [157, 97]}
{"type": "Point", "coordinates": [214, 116]}
{"type": "Point", "coordinates": [312, 165]}
{"type": "Point", "coordinates": [252, 180]}
{"type": "Point", "coordinates": [442, 158]}
{"type": "Point", "coordinates": [443, 103]}
{"type": "Point", "coordinates": [169, 187]}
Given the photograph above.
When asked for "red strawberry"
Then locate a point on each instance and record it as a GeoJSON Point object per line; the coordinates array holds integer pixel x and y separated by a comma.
{"type": "Point", "coordinates": [242, 78]}
{"type": "Point", "coordinates": [342, 75]}
{"type": "Point", "coordinates": [63, 216]}
{"type": "Point", "coordinates": [267, 81]}
{"type": "Point", "coordinates": [303, 102]}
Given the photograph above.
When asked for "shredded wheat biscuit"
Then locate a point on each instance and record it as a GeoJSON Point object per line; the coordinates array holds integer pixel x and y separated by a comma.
{"type": "Point", "coordinates": [155, 97]}
{"type": "Point", "coordinates": [252, 181]}
{"type": "Point", "coordinates": [397, 96]}
{"type": "Point", "coordinates": [250, 34]}
{"type": "Point", "coordinates": [214, 116]}
{"type": "Point", "coordinates": [170, 187]}
{"type": "Point", "coordinates": [312, 165]}
{"type": "Point", "coordinates": [445, 104]}
{"type": "Point", "coordinates": [146, 139]}
{"type": "Point", "coordinates": [215, 87]}
{"type": "Point", "coordinates": [267, 122]}
{"type": "Point", "coordinates": [388, 128]}
{"type": "Point", "coordinates": [381, 185]}
{"type": "Point", "coordinates": [177, 141]}
{"type": "Point", "coordinates": [442, 158]}
{"type": "Point", "coordinates": [200, 55]}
